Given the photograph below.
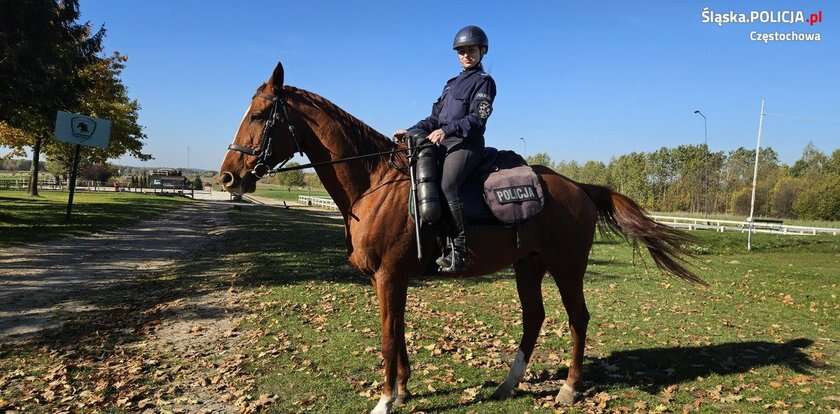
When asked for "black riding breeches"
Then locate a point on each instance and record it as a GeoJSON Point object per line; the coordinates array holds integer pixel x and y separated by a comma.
{"type": "Point", "coordinates": [457, 166]}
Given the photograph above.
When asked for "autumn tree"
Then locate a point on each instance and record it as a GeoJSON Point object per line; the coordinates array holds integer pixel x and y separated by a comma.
{"type": "Point", "coordinates": [50, 63]}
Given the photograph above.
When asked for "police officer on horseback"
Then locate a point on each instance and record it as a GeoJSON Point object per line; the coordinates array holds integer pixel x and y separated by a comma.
{"type": "Point", "coordinates": [457, 125]}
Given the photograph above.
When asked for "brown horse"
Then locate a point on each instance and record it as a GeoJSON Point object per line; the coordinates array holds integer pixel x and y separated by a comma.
{"type": "Point", "coordinates": [372, 197]}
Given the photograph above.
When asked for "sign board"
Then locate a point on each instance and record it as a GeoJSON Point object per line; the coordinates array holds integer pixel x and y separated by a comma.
{"type": "Point", "coordinates": [81, 129]}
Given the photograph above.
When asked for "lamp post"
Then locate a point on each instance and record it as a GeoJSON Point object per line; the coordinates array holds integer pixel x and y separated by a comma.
{"type": "Point", "coordinates": [705, 127]}
{"type": "Point", "coordinates": [705, 174]}
{"type": "Point", "coordinates": [524, 147]}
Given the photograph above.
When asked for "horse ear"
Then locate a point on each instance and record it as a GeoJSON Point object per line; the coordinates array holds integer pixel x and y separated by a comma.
{"type": "Point", "coordinates": [276, 79]}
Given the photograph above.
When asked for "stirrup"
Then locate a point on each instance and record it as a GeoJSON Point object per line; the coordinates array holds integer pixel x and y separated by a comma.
{"type": "Point", "coordinates": [445, 260]}
{"type": "Point", "coordinates": [453, 263]}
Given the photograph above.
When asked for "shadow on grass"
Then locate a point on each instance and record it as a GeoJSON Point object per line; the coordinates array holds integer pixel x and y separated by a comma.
{"type": "Point", "coordinates": [263, 246]}
{"type": "Point", "coordinates": [653, 369]}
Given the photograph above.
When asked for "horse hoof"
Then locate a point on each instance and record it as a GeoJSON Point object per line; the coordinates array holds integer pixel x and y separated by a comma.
{"type": "Point", "coordinates": [402, 399]}
{"type": "Point", "coordinates": [567, 395]}
{"type": "Point", "coordinates": [502, 392]}
{"type": "Point", "coordinates": [383, 407]}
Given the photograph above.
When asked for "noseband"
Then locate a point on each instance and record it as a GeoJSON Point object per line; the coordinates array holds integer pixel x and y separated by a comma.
{"type": "Point", "coordinates": [278, 115]}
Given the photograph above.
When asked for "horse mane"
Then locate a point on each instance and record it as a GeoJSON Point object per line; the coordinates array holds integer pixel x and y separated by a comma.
{"type": "Point", "coordinates": [361, 138]}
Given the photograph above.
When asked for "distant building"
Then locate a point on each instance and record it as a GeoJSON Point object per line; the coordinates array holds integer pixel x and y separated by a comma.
{"type": "Point", "coordinates": [168, 179]}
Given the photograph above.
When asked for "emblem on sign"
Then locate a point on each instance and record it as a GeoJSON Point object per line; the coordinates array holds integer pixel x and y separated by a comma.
{"type": "Point", "coordinates": [83, 127]}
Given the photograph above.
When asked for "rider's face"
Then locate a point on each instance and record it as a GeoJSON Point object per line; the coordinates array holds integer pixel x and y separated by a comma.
{"type": "Point", "coordinates": [469, 56]}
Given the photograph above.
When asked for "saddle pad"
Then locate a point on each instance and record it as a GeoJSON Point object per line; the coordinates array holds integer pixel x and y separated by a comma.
{"type": "Point", "coordinates": [513, 194]}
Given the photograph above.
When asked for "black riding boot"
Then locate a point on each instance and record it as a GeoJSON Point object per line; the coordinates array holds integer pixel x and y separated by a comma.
{"type": "Point", "coordinates": [457, 261]}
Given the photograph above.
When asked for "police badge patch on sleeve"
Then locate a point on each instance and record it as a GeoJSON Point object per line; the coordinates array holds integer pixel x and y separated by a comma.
{"type": "Point", "coordinates": [484, 109]}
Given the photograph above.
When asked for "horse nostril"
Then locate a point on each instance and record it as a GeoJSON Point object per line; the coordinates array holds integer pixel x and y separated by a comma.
{"type": "Point", "coordinates": [228, 179]}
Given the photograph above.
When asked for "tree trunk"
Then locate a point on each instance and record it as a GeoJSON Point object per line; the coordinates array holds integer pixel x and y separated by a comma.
{"type": "Point", "coordinates": [33, 176]}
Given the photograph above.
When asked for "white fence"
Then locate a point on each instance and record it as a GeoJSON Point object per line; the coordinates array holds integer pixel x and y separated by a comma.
{"type": "Point", "coordinates": [322, 202]}
{"type": "Point", "coordinates": [689, 223]}
{"type": "Point", "coordinates": [741, 226]}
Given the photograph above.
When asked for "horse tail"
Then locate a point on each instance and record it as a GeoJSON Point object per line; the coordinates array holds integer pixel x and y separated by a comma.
{"type": "Point", "coordinates": [620, 215]}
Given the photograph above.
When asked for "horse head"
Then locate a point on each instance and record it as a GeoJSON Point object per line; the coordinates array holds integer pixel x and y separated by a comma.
{"type": "Point", "coordinates": [264, 139]}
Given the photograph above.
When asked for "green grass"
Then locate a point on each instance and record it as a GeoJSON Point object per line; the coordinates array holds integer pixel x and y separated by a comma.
{"type": "Point", "coordinates": [764, 333]}
{"type": "Point", "coordinates": [281, 192]}
{"type": "Point", "coordinates": [28, 219]}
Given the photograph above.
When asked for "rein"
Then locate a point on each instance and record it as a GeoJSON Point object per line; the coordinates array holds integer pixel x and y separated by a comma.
{"type": "Point", "coordinates": [340, 160]}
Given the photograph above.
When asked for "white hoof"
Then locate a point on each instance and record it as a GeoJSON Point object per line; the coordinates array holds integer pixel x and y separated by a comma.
{"type": "Point", "coordinates": [566, 395]}
{"type": "Point", "coordinates": [384, 406]}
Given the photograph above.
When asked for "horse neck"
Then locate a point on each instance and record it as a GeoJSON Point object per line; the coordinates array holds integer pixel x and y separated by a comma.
{"type": "Point", "coordinates": [327, 138]}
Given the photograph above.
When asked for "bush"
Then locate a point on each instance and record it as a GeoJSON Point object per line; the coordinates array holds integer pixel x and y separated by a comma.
{"type": "Point", "coordinates": [820, 201]}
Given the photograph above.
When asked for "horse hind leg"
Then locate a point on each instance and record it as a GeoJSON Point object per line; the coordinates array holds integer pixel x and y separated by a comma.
{"type": "Point", "coordinates": [529, 275]}
{"type": "Point", "coordinates": [569, 280]}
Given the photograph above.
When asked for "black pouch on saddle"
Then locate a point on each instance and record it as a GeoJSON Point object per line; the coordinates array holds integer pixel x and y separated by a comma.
{"type": "Point", "coordinates": [512, 190]}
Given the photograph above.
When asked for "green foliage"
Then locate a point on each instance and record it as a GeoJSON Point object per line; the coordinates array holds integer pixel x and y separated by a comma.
{"type": "Point", "coordinates": [820, 200]}
{"type": "Point", "coordinates": [97, 172]}
{"type": "Point", "coordinates": [51, 62]}
{"type": "Point", "coordinates": [290, 178]}
{"type": "Point", "coordinates": [540, 158]}
{"type": "Point", "coordinates": [784, 194]}
{"type": "Point", "coordinates": [811, 163]}
{"type": "Point", "coordinates": [197, 183]}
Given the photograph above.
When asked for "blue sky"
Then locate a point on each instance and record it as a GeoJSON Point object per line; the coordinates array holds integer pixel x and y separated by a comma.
{"type": "Point", "coordinates": [578, 80]}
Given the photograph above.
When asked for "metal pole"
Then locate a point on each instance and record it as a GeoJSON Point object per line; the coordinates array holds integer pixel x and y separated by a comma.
{"type": "Point", "coordinates": [73, 182]}
{"type": "Point", "coordinates": [524, 148]}
{"type": "Point", "coordinates": [755, 175]}
{"type": "Point", "coordinates": [705, 195]}
{"type": "Point", "coordinates": [414, 198]}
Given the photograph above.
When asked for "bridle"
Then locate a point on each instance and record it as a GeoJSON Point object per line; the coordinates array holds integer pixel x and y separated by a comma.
{"type": "Point", "coordinates": [280, 115]}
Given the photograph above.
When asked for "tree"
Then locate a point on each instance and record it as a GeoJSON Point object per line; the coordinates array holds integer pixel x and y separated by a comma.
{"type": "Point", "coordinates": [43, 48]}
{"type": "Point", "coordinates": [97, 172]}
{"type": "Point", "coordinates": [811, 163]}
{"type": "Point", "coordinates": [628, 175]}
{"type": "Point", "coordinates": [833, 166]}
{"type": "Point", "coordinates": [51, 63]}
{"type": "Point", "coordinates": [197, 183]}
{"type": "Point", "coordinates": [820, 200]}
{"type": "Point", "coordinates": [293, 178]}
{"type": "Point", "coordinates": [594, 172]}
{"type": "Point", "coordinates": [107, 98]}
{"type": "Point", "coordinates": [540, 158]}
{"type": "Point", "coordinates": [784, 195]}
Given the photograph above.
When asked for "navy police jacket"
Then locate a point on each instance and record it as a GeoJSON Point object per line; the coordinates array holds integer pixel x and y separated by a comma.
{"type": "Point", "coordinates": [462, 109]}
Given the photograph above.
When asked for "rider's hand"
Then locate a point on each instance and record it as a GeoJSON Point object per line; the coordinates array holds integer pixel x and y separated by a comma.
{"type": "Point", "coordinates": [399, 135]}
{"type": "Point", "coordinates": [437, 136]}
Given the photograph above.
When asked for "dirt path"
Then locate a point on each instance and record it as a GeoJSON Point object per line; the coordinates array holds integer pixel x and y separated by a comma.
{"type": "Point", "coordinates": [41, 281]}
{"type": "Point", "coordinates": [189, 345]}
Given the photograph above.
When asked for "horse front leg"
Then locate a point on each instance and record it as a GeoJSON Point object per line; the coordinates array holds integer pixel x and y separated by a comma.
{"type": "Point", "coordinates": [391, 292]}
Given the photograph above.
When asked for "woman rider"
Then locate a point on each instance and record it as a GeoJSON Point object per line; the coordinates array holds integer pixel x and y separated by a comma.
{"type": "Point", "coordinates": [457, 125]}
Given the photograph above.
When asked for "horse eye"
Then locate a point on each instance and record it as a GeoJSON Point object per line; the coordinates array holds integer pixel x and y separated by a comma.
{"type": "Point", "coordinates": [255, 116]}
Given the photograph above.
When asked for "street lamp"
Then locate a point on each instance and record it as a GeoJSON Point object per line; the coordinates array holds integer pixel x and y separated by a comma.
{"type": "Point", "coordinates": [705, 172]}
{"type": "Point", "coordinates": [705, 127]}
{"type": "Point", "coordinates": [524, 147]}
